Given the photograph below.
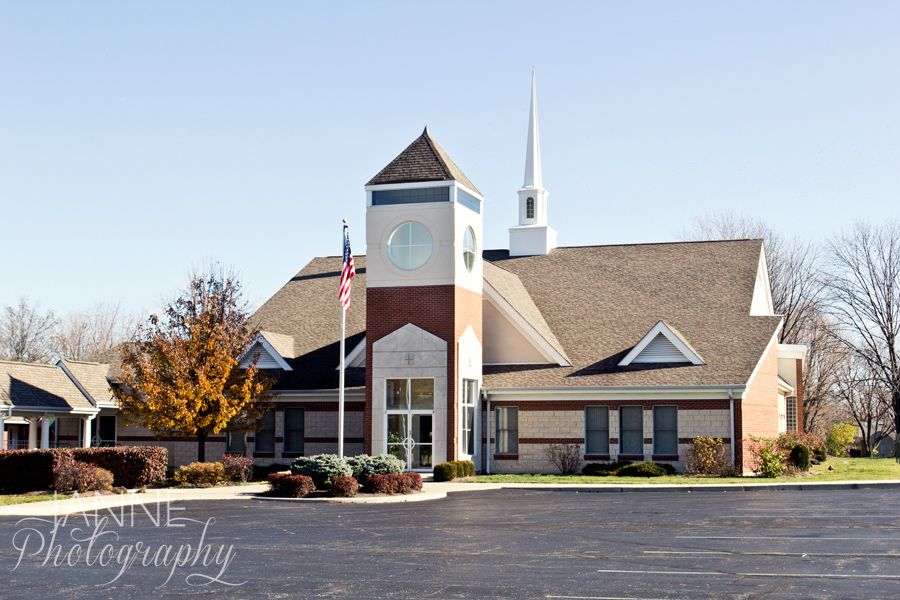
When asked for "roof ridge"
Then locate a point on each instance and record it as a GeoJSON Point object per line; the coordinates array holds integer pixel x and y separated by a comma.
{"type": "Point", "coordinates": [28, 364]}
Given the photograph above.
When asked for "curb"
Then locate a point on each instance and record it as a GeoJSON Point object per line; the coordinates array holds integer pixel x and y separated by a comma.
{"type": "Point", "coordinates": [420, 497]}
{"type": "Point", "coordinates": [751, 487]}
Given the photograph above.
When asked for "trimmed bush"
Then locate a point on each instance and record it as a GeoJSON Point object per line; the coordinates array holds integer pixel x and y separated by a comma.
{"type": "Point", "coordinates": [131, 466]}
{"type": "Point", "coordinates": [445, 471]}
{"type": "Point", "coordinates": [26, 470]}
{"type": "Point", "coordinates": [70, 475]}
{"type": "Point", "coordinates": [839, 437]}
{"type": "Point", "coordinates": [800, 457]}
{"type": "Point", "coordinates": [198, 474]}
{"type": "Point", "coordinates": [395, 483]}
{"type": "Point", "coordinates": [344, 487]}
{"type": "Point", "coordinates": [603, 469]}
{"type": "Point", "coordinates": [769, 459]}
{"type": "Point", "coordinates": [365, 466]}
{"type": "Point", "coordinates": [262, 472]}
{"type": "Point", "coordinates": [643, 469]}
{"type": "Point", "coordinates": [290, 486]}
{"type": "Point", "coordinates": [238, 468]}
{"type": "Point", "coordinates": [465, 468]}
{"type": "Point", "coordinates": [321, 468]}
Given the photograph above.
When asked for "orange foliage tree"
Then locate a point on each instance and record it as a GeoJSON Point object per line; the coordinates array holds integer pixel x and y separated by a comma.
{"type": "Point", "coordinates": [181, 374]}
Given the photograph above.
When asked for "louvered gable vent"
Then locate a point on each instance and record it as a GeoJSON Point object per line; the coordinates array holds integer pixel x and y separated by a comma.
{"type": "Point", "coordinates": [660, 350]}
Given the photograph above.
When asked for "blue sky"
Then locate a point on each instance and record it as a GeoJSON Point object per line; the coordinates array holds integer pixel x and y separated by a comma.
{"type": "Point", "coordinates": [139, 140]}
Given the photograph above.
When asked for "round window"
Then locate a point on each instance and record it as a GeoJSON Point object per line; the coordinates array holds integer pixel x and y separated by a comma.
{"type": "Point", "coordinates": [469, 249]}
{"type": "Point", "coordinates": [409, 246]}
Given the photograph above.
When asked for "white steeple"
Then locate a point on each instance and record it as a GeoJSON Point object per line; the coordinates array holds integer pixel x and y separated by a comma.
{"type": "Point", "coordinates": [533, 150]}
{"type": "Point", "coordinates": [533, 235]}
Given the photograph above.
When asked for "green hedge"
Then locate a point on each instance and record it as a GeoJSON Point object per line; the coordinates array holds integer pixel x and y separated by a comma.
{"type": "Point", "coordinates": [454, 469]}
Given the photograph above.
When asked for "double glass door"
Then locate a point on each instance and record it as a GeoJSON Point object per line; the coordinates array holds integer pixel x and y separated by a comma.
{"type": "Point", "coordinates": [410, 412]}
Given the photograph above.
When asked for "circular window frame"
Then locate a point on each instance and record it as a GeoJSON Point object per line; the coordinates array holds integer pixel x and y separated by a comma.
{"type": "Point", "coordinates": [390, 254]}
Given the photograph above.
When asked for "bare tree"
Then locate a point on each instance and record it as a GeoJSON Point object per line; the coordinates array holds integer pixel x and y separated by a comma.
{"type": "Point", "coordinates": [797, 295]}
{"type": "Point", "coordinates": [83, 335]}
{"type": "Point", "coordinates": [864, 286]}
{"type": "Point", "coordinates": [823, 360]}
{"type": "Point", "coordinates": [26, 332]}
{"type": "Point", "coordinates": [793, 268]}
{"type": "Point", "coordinates": [862, 394]}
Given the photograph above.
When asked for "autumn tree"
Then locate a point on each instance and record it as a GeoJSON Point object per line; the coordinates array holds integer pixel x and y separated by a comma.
{"type": "Point", "coordinates": [181, 374]}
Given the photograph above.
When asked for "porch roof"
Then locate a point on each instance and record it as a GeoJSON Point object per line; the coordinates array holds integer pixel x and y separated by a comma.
{"type": "Point", "coordinates": [42, 387]}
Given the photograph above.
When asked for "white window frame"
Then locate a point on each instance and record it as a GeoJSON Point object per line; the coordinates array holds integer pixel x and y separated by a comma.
{"type": "Point", "coordinates": [410, 412]}
{"type": "Point", "coordinates": [655, 450]}
{"type": "Point", "coordinates": [506, 452]}
{"type": "Point", "coordinates": [622, 437]}
{"type": "Point", "coordinates": [466, 403]}
{"type": "Point", "coordinates": [586, 449]}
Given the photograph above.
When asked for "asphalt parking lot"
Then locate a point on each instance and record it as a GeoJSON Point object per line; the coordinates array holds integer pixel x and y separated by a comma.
{"type": "Point", "coordinates": [495, 544]}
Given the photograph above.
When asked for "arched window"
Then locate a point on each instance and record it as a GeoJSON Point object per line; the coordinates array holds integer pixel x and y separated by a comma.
{"type": "Point", "coordinates": [529, 208]}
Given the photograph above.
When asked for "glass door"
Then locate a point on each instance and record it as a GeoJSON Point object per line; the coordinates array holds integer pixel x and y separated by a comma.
{"type": "Point", "coordinates": [410, 411]}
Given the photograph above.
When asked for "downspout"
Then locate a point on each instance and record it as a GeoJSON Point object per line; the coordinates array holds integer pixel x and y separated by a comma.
{"type": "Point", "coordinates": [731, 414]}
{"type": "Point", "coordinates": [488, 433]}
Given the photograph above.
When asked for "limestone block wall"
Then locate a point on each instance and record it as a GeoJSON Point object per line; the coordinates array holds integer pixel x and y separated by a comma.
{"type": "Point", "coordinates": [544, 423]}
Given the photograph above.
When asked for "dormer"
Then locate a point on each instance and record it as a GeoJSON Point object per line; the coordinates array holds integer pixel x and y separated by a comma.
{"type": "Point", "coordinates": [662, 345]}
{"type": "Point", "coordinates": [270, 351]}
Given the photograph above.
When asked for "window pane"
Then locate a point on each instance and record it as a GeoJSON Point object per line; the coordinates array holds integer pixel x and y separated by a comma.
{"type": "Point", "coordinates": [422, 394]}
{"type": "Point", "coordinates": [507, 436]}
{"type": "Point", "coordinates": [631, 430]}
{"type": "Point", "coordinates": [236, 441]}
{"type": "Point", "coordinates": [397, 394]}
{"type": "Point", "coordinates": [293, 429]}
{"type": "Point", "coordinates": [596, 430]}
{"type": "Point", "coordinates": [665, 430]}
{"type": "Point", "coordinates": [265, 436]}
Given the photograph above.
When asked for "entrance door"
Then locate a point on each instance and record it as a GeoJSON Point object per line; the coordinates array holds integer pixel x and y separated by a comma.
{"type": "Point", "coordinates": [409, 407]}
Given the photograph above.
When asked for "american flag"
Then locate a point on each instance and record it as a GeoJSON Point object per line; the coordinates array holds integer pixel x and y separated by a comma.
{"type": "Point", "coordinates": [348, 271]}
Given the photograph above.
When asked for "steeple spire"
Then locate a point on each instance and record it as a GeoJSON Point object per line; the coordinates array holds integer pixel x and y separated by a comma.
{"type": "Point", "coordinates": [533, 150]}
{"type": "Point", "coordinates": [533, 235]}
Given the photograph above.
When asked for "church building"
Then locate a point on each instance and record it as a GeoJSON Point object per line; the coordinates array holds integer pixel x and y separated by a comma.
{"type": "Point", "coordinates": [454, 351]}
{"type": "Point", "coordinates": [458, 352]}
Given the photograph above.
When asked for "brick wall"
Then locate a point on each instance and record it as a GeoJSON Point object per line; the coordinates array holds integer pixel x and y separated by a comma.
{"type": "Point", "coordinates": [442, 310]}
{"type": "Point", "coordinates": [758, 407]}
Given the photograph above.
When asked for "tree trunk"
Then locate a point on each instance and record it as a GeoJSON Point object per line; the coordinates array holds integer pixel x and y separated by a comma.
{"type": "Point", "coordinates": [896, 402]}
{"type": "Point", "coordinates": [201, 447]}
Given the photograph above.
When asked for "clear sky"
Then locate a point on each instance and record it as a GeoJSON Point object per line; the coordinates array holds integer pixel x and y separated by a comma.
{"type": "Point", "coordinates": [140, 139]}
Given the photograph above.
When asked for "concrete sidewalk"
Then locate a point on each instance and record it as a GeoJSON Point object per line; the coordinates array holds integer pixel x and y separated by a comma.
{"type": "Point", "coordinates": [431, 491]}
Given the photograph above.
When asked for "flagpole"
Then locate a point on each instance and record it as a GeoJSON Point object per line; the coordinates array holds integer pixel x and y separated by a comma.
{"type": "Point", "coordinates": [341, 376]}
{"type": "Point", "coordinates": [341, 387]}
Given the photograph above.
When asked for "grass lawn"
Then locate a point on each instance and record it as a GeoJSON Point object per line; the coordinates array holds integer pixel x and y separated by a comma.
{"type": "Point", "coordinates": [844, 469]}
{"type": "Point", "coordinates": [6, 499]}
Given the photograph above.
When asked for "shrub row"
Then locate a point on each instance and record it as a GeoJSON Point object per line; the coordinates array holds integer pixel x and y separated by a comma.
{"type": "Point", "coordinates": [454, 469]}
{"type": "Point", "coordinates": [199, 474]}
{"type": "Point", "coordinates": [789, 451]}
{"type": "Point", "coordinates": [285, 485]}
{"type": "Point", "coordinates": [394, 483]}
{"type": "Point", "coordinates": [70, 475]}
{"type": "Point", "coordinates": [324, 468]}
{"type": "Point", "coordinates": [344, 487]}
{"type": "Point", "coordinates": [131, 466]}
{"type": "Point", "coordinates": [629, 469]}
{"type": "Point", "coordinates": [238, 468]}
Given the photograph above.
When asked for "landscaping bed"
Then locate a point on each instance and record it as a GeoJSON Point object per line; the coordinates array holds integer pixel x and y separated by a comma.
{"type": "Point", "coordinates": [842, 469]}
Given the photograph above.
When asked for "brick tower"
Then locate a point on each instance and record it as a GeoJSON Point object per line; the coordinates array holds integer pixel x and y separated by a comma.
{"type": "Point", "coordinates": [423, 308]}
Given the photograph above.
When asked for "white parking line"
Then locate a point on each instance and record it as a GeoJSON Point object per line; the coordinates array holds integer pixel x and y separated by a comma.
{"type": "Point", "coordinates": [779, 537]}
{"type": "Point", "coordinates": [604, 598]}
{"type": "Point", "coordinates": [770, 575]}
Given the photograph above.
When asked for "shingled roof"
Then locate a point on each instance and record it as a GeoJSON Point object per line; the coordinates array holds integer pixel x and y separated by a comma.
{"type": "Point", "coordinates": [93, 377]}
{"type": "Point", "coordinates": [422, 160]}
{"type": "Point", "coordinates": [44, 387]}
{"type": "Point", "coordinates": [592, 303]}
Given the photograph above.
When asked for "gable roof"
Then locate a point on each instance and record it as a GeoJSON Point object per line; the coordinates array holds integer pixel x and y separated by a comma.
{"type": "Point", "coordinates": [662, 341]}
{"type": "Point", "coordinates": [277, 346]}
{"type": "Point", "coordinates": [44, 387]}
{"type": "Point", "coordinates": [306, 309]}
{"type": "Point", "coordinates": [422, 160]}
{"type": "Point", "coordinates": [599, 300]}
{"type": "Point", "coordinates": [592, 303]}
{"type": "Point", "coordinates": [93, 377]}
{"type": "Point", "coordinates": [509, 287]}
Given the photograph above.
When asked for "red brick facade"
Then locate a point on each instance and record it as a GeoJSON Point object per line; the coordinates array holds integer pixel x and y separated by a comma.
{"type": "Point", "coordinates": [442, 310]}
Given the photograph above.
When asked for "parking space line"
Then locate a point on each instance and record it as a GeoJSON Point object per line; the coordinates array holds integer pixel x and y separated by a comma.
{"type": "Point", "coordinates": [769, 575]}
{"type": "Point", "coordinates": [779, 537]}
{"type": "Point", "coordinates": [604, 598]}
